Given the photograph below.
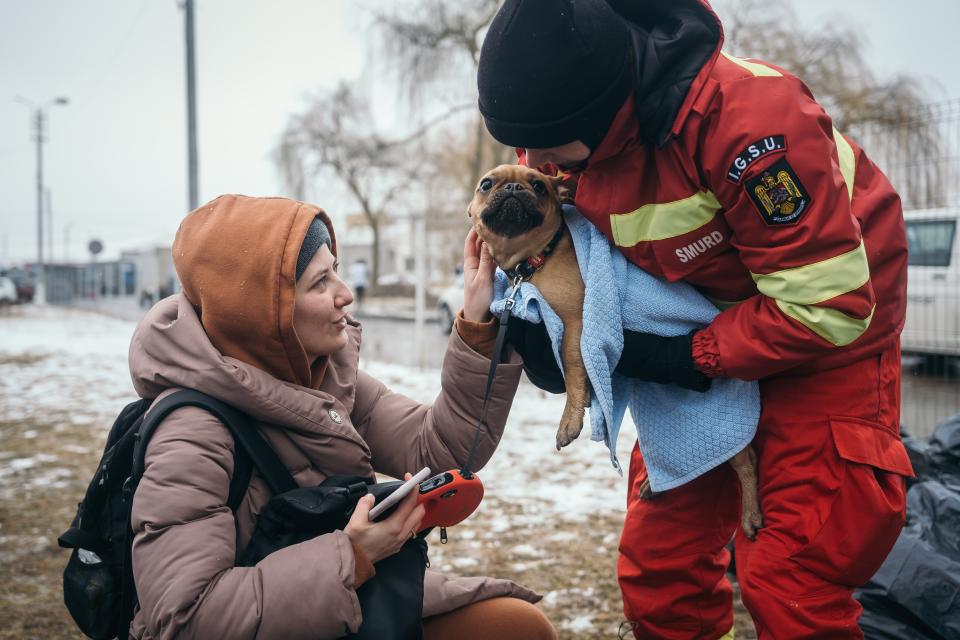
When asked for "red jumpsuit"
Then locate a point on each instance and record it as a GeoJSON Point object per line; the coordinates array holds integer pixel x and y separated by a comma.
{"type": "Point", "coordinates": [786, 225]}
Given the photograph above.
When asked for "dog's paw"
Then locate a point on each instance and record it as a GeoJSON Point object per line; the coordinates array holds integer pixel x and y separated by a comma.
{"type": "Point", "coordinates": [645, 492]}
{"type": "Point", "coordinates": [751, 522]}
{"type": "Point", "coordinates": [570, 426]}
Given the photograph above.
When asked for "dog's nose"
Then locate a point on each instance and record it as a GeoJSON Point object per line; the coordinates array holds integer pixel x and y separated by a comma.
{"type": "Point", "coordinates": [513, 186]}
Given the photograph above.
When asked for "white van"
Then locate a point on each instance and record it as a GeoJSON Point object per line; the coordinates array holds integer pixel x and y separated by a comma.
{"type": "Point", "coordinates": [933, 282]}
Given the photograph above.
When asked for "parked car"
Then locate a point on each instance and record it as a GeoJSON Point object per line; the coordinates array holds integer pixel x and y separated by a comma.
{"type": "Point", "coordinates": [8, 291]}
{"type": "Point", "coordinates": [394, 279]}
{"type": "Point", "coordinates": [449, 303]}
{"type": "Point", "coordinates": [933, 283]}
{"type": "Point", "coordinates": [23, 281]}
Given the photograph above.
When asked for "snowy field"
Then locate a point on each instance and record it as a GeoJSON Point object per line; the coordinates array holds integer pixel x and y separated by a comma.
{"type": "Point", "coordinates": [549, 520]}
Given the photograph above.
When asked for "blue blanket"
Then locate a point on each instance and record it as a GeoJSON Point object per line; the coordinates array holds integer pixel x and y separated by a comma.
{"type": "Point", "coordinates": [682, 434]}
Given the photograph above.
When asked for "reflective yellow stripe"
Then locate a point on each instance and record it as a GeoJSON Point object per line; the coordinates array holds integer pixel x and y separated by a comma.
{"type": "Point", "coordinates": [819, 281]}
{"type": "Point", "coordinates": [848, 162]}
{"type": "Point", "coordinates": [753, 67]}
{"type": "Point", "coordinates": [727, 636]}
{"type": "Point", "coordinates": [666, 220]}
{"type": "Point", "coordinates": [834, 326]}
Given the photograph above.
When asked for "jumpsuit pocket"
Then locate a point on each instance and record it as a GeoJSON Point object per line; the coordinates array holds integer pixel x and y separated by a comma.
{"type": "Point", "coordinates": [869, 508]}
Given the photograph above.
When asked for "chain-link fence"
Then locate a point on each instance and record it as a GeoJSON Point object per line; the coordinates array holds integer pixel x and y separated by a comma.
{"type": "Point", "coordinates": [921, 156]}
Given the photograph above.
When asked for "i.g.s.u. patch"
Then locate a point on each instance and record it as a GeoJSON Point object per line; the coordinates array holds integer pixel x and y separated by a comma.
{"type": "Point", "coordinates": [752, 153]}
{"type": "Point", "coordinates": [778, 194]}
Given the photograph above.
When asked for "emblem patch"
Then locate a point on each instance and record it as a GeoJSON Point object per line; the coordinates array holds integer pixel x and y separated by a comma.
{"type": "Point", "coordinates": [778, 194]}
{"type": "Point", "coordinates": [754, 152]}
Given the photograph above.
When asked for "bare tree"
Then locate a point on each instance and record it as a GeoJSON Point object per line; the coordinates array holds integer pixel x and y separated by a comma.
{"type": "Point", "coordinates": [830, 59]}
{"type": "Point", "coordinates": [888, 117]}
{"type": "Point", "coordinates": [429, 40]}
{"type": "Point", "coordinates": [446, 175]}
{"type": "Point", "coordinates": [436, 42]}
{"type": "Point", "coordinates": [336, 134]}
{"type": "Point", "coordinates": [431, 49]}
{"type": "Point", "coordinates": [429, 43]}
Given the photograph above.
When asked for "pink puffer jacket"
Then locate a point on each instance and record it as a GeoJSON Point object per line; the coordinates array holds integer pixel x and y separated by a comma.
{"type": "Point", "coordinates": [186, 537]}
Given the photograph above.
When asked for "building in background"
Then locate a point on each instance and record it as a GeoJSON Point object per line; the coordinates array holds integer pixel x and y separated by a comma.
{"type": "Point", "coordinates": [145, 275]}
{"type": "Point", "coordinates": [443, 249]}
{"type": "Point", "coordinates": [155, 278]}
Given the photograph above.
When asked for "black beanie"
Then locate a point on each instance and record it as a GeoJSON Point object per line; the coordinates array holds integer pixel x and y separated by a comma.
{"type": "Point", "coordinates": [317, 235]}
{"type": "Point", "coordinates": [552, 72]}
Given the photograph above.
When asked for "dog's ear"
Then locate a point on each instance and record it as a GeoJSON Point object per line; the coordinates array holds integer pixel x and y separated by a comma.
{"type": "Point", "coordinates": [565, 188]}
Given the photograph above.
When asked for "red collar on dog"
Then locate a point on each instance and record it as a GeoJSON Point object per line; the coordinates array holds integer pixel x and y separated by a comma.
{"type": "Point", "coordinates": [534, 263]}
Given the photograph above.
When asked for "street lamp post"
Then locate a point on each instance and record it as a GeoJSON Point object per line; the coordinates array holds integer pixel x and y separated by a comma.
{"type": "Point", "coordinates": [48, 205]}
{"type": "Point", "coordinates": [192, 163]}
{"type": "Point", "coordinates": [39, 117]}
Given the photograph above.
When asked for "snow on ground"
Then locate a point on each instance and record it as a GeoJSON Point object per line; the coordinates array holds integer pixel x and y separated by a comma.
{"type": "Point", "coordinates": [549, 520]}
{"type": "Point", "coordinates": [64, 363]}
{"type": "Point", "coordinates": [72, 365]}
{"type": "Point", "coordinates": [526, 467]}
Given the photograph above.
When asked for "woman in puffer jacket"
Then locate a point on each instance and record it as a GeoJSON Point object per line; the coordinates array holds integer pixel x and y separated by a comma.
{"type": "Point", "coordinates": [261, 324]}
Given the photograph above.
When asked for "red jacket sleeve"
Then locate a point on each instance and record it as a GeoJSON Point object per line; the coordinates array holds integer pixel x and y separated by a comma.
{"type": "Point", "coordinates": [785, 179]}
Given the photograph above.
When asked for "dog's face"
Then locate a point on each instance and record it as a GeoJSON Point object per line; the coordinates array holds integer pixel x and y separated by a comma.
{"type": "Point", "coordinates": [514, 209]}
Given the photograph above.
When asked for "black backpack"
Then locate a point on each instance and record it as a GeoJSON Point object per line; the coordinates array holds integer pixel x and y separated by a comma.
{"type": "Point", "coordinates": [98, 586]}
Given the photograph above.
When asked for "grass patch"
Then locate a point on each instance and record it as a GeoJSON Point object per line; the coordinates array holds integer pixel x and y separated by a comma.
{"type": "Point", "coordinates": [43, 473]}
{"type": "Point", "coordinates": [44, 468]}
{"type": "Point", "coordinates": [573, 564]}
{"type": "Point", "coordinates": [22, 359]}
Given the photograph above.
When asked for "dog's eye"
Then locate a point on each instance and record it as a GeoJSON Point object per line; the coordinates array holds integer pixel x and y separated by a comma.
{"type": "Point", "coordinates": [486, 184]}
{"type": "Point", "coordinates": [539, 188]}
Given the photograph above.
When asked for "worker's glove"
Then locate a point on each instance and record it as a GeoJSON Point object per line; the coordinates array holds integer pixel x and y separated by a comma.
{"type": "Point", "coordinates": [645, 357]}
{"type": "Point", "coordinates": [658, 359]}
{"type": "Point", "coordinates": [531, 341]}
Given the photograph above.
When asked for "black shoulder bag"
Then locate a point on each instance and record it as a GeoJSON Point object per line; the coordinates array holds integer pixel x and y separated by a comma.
{"type": "Point", "coordinates": [392, 600]}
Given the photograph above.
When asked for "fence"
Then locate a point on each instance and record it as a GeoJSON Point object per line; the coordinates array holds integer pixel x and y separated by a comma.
{"type": "Point", "coordinates": [69, 283]}
{"type": "Point", "coordinates": [921, 156]}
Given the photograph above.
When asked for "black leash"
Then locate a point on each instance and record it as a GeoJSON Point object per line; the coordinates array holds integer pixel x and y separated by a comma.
{"type": "Point", "coordinates": [494, 360]}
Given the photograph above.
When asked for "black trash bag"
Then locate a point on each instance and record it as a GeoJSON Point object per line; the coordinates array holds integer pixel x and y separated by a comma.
{"type": "Point", "coordinates": [882, 620]}
{"type": "Point", "coordinates": [943, 452]}
{"type": "Point", "coordinates": [918, 452]}
{"type": "Point", "coordinates": [918, 586]}
{"type": "Point", "coordinates": [916, 593]}
{"type": "Point", "coordinates": [934, 510]}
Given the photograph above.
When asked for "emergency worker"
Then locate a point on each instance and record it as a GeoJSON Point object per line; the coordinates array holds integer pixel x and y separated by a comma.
{"type": "Point", "coordinates": [727, 174]}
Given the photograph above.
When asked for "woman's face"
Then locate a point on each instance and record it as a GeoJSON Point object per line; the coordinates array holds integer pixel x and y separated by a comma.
{"type": "Point", "coordinates": [318, 312]}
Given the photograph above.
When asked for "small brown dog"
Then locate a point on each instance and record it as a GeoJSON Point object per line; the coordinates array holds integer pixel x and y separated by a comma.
{"type": "Point", "coordinates": [517, 212]}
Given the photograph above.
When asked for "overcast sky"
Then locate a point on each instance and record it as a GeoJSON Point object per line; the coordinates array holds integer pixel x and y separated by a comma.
{"type": "Point", "coordinates": [116, 157]}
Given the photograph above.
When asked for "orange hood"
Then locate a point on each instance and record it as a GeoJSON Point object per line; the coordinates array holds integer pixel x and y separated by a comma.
{"type": "Point", "coordinates": [236, 258]}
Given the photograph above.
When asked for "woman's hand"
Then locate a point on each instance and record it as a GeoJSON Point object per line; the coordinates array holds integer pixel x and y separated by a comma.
{"type": "Point", "coordinates": [384, 538]}
{"type": "Point", "coordinates": [478, 268]}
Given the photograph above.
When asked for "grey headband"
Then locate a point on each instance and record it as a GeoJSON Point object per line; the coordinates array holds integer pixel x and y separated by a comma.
{"type": "Point", "coordinates": [317, 235]}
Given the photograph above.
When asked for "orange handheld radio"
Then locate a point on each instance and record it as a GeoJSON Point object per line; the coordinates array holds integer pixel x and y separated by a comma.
{"type": "Point", "coordinates": [450, 497]}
